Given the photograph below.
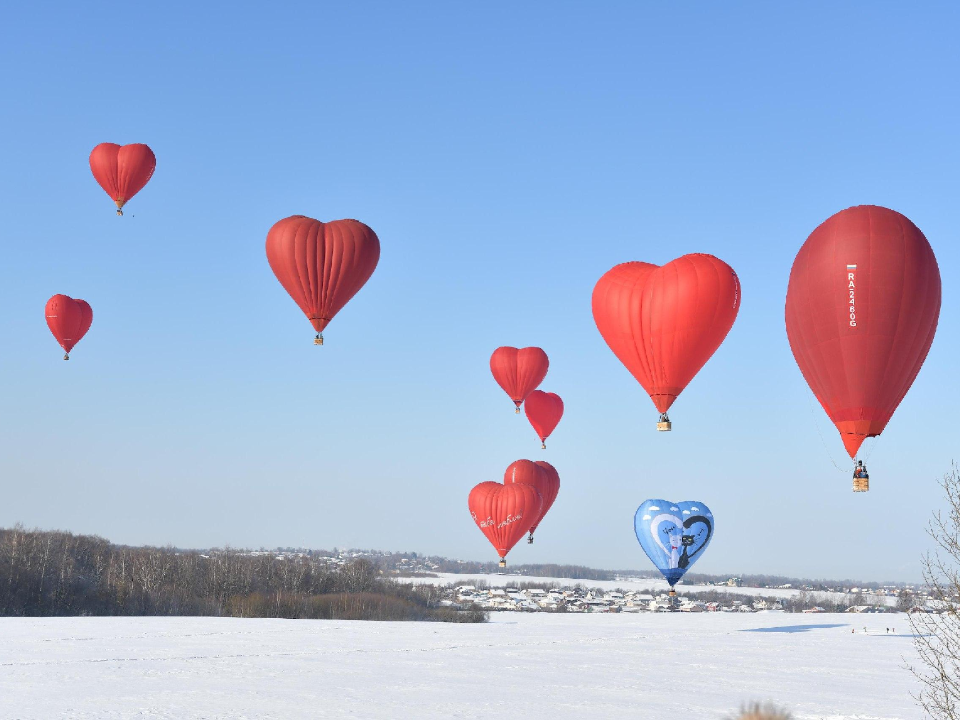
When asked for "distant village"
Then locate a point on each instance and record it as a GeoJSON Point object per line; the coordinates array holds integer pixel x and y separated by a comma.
{"type": "Point", "coordinates": [526, 594]}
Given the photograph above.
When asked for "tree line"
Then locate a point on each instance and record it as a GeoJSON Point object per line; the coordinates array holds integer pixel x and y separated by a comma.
{"type": "Point", "coordinates": [59, 573]}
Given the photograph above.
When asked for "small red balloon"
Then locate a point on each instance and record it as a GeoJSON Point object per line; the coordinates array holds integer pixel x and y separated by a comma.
{"type": "Point", "coordinates": [544, 411]}
{"type": "Point", "coordinates": [122, 171]}
{"type": "Point", "coordinates": [504, 513]}
{"type": "Point", "coordinates": [519, 371]}
{"type": "Point", "coordinates": [68, 320]}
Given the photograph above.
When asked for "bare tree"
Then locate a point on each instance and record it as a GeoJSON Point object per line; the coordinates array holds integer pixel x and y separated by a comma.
{"type": "Point", "coordinates": [937, 631]}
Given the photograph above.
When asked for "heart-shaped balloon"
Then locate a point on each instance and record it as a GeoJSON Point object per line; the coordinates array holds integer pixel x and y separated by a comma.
{"type": "Point", "coordinates": [540, 475]}
{"type": "Point", "coordinates": [673, 535]}
{"type": "Point", "coordinates": [664, 323]}
{"type": "Point", "coordinates": [544, 411]}
{"type": "Point", "coordinates": [504, 513]}
{"type": "Point", "coordinates": [322, 265]}
{"type": "Point", "coordinates": [528, 472]}
{"type": "Point", "coordinates": [68, 320]}
{"type": "Point", "coordinates": [122, 171]}
{"type": "Point", "coordinates": [519, 371]}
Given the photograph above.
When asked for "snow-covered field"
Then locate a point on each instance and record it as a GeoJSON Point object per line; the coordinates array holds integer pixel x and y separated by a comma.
{"type": "Point", "coordinates": [562, 667]}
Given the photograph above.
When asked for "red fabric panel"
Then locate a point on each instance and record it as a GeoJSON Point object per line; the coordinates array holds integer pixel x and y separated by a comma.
{"type": "Point", "coordinates": [552, 490]}
{"type": "Point", "coordinates": [860, 334]}
{"type": "Point", "coordinates": [322, 265]}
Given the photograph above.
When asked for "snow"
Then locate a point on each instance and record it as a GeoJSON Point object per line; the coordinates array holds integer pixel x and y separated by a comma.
{"type": "Point", "coordinates": [520, 665]}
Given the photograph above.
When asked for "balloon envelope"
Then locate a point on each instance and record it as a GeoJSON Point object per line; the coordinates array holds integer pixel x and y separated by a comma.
{"type": "Point", "coordinates": [862, 309]}
{"type": "Point", "coordinates": [322, 265]}
{"type": "Point", "coordinates": [664, 323]}
{"type": "Point", "coordinates": [122, 170]}
{"type": "Point", "coordinates": [528, 472]}
{"type": "Point", "coordinates": [544, 411]}
{"type": "Point", "coordinates": [673, 535]}
{"type": "Point", "coordinates": [504, 513]}
{"type": "Point", "coordinates": [68, 319]}
{"type": "Point", "coordinates": [519, 371]}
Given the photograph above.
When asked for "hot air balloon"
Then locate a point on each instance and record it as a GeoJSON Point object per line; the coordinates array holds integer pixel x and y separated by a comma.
{"type": "Point", "coordinates": [322, 265]}
{"type": "Point", "coordinates": [673, 535]}
{"type": "Point", "coordinates": [862, 309]}
{"type": "Point", "coordinates": [504, 513]}
{"type": "Point", "coordinates": [122, 171]}
{"type": "Point", "coordinates": [519, 372]}
{"type": "Point", "coordinates": [68, 320]}
{"type": "Point", "coordinates": [546, 482]}
{"type": "Point", "coordinates": [544, 411]}
{"type": "Point", "coordinates": [664, 323]}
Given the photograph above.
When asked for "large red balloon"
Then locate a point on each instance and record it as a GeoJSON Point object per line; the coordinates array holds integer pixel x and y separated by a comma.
{"type": "Point", "coordinates": [544, 411]}
{"type": "Point", "coordinates": [322, 265]}
{"type": "Point", "coordinates": [519, 372]}
{"type": "Point", "coordinates": [68, 320]}
{"type": "Point", "coordinates": [122, 171]}
{"type": "Point", "coordinates": [664, 323]}
{"type": "Point", "coordinates": [504, 513]}
{"type": "Point", "coordinates": [540, 475]}
{"type": "Point", "coordinates": [862, 308]}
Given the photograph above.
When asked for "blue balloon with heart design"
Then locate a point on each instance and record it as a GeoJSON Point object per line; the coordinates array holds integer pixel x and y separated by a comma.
{"type": "Point", "coordinates": [673, 535]}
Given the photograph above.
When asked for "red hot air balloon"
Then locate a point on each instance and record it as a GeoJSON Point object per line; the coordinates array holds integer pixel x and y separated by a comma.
{"type": "Point", "coordinates": [540, 475]}
{"type": "Point", "coordinates": [504, 513]}
{"type": "Point", "coordinates": [544, 411]}
{"type": "Point", "coordinates": [322, 265]}
{"type": "Point", "coordinates": [862, 308]}
{"type": "Point", "coordinates": [68, 320]}
{"type": "Point", "coordinates": [519, 372]}
{"type": "Point", "coordinates": [664, 323]}
{"type": "Point", "coordinates": [122, 171]}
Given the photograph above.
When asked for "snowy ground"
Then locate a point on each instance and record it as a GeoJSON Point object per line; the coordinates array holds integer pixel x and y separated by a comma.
{"type": "Point", "coordinates": [562, 667]}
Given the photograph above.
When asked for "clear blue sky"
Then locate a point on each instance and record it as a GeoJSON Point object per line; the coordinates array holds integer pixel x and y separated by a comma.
{"type": "Point", "coordinates": [507, 157]}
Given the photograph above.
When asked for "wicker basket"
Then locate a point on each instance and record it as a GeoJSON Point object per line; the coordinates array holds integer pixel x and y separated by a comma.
{"type": "Point", "coordinates": [664, 426]}
{"type": "Point", "coordinates": [861, 484]}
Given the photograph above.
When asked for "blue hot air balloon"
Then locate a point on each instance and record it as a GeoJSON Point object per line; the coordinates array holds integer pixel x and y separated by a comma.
{"type": "Point", "coordinates": [673, 535]}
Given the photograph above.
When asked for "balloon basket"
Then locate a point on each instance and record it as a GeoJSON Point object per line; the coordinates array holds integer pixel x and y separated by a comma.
{"type": "Point", "coordinates": [664, 426]}
{"type": "Point", "coordinates": [543, 446]}
{"type": "Point", "coordinates": [517, 410]}
{"type": "Point", "coordinates": [672, 593]}
{"type": "Point", "coordinates": [530, 540]}
{"type": "Point", "coordinates": [861, 484]}
{"type": "Point", "coordinates": [66, 356]}
{"type": "Point", "coordinates": [503, 563]}
{"type": "Point", "coordinates": [318, 340]}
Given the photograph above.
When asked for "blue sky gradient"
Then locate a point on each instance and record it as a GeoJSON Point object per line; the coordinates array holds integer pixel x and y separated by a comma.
{"type": "Point", "coordinates": [506, 157]}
